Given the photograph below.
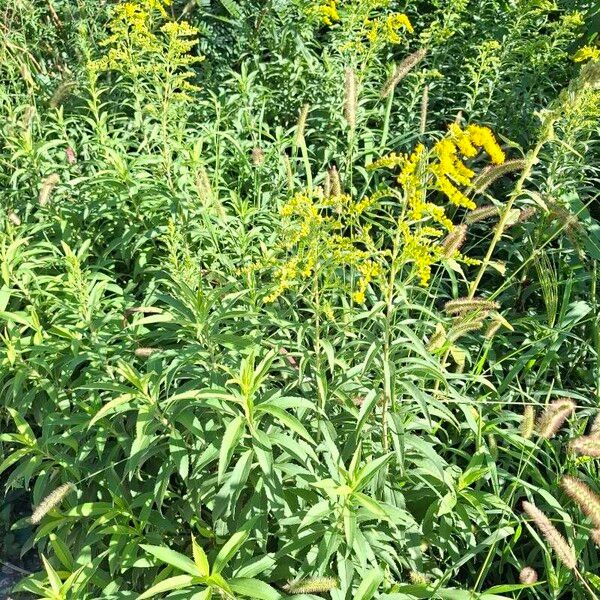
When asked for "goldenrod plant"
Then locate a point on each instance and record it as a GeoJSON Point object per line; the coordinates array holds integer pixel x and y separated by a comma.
{"type": "Point", "coordinates": [299, 298]}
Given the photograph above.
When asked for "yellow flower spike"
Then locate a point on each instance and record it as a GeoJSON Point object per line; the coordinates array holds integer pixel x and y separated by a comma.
{"type": "Point", "coordinates": [463, 141]}
{"type": "Point", "coordinates": [586, 53]}
{"type": "Point", "coordinates": [484, 138]}
{"type": "Point", "coordinates": [455, 196]}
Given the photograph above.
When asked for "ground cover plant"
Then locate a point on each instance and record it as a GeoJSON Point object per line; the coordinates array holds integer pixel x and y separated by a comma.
{"type": "Point", "coordinates": [299, 298]}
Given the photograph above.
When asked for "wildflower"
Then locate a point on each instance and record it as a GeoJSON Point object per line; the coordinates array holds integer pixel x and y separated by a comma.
{"type": "Point", "coordinates": [368, 270]}
{"type": "Point", "coordinates": [51, 501]}
{"type": "Point", "coordinates": [553, 417]}
{"type": "Point", "coordinates": [587, 500]}
{"type": "Point", "coordinates": [388, 161]}
{"type": "Point", "coordinates": [328, 12]}
{"type": "Point", "coordinates": [563, 550]}
{"type": "Point", "coordinates": [484, 138]}
{"type": "Point", "coordinates": [587, 53]}
{"type": "Point", "coordinates": [419, 250]}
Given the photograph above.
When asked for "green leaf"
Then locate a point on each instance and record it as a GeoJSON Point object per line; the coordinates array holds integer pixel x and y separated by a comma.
{"type": "Point", "coordinates": [175, 559]}
{"type": "Point", "coordinates": [232, 435]}
{"type": "Point", "coordinates": [109, 406]}
{"type": "Point", "coordinates": [228, 550]}
{"type": "Point", "coordinates": [254, 588]}
{"type": "Point", "coordinates": [370, 583]}
{"type": "Point", "coordinates": [178, 582]}
{"type": "Point", "coordinates": [291, 422]}
{"type": "Point", "coordinates": [200, 558]}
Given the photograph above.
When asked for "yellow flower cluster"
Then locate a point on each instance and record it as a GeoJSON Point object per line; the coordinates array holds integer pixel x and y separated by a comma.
{"type": "Point", "coordinates": [450, 171]}
{"type": "Point", "coordinates": [363, 31]}
{"type": "Point", "coordinates": [387, 28]}
{"type": "Point", "coordinates": [138, 46]}
{"type": "Point", "coordinates": [368, 270]}
{"type": "Point", "coordinates": [421, 248]}
{"type": "Point", "coordinates": [443, 169]}
{"type": "Point", "coordinates": [327, 12]}
{"type": "Point", "coordinates": [587, 53]}
{"type": "Point", "coordinates": [315, 229]}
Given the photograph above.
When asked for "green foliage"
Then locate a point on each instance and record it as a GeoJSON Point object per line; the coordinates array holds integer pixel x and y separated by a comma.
{"type": "Point", "coordinates": [228, 363]}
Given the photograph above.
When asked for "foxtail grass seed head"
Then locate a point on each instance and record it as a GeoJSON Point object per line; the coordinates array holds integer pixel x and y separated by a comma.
{"type": "Point", "coordinates": [336, 184]}
{"type": "Point", "coordinates": [51, 501]}
{"type": "Point", "coordinates": [528, 576]}
{"type": "Point", "coordinates": [13, 218]}
{"type": "Point", "coordinates": [402, 70]}
{"type": "Point", "coordinates": [552, 419]}
{"type": "Point", "coordinates": [453, 242]}
{"type": "Point", "coordinates": [312, 585]}
{"type": "Point", "coordinates": [327, 185]}
{"type": "Point", "coordinates": [494, 172]}
{"type": "Point", "coordinates": [595, 428]}
{"type": "Point", "coordinates": [586, 446]}
{"type": "Point", "coordinates": [424, 109]}
{"type": "Point", "coordinates": [595, 535]}
{"type": "Point", "coordinates": [464, 305]}
{"type": "Point", "coordinates": [288, 172]}
{"type": "Point", "coordinates": [458, 331]}
{"type": "Point", "coordinates": [492, 329]}
{"type": "Point", "coordinates": [528, 422]}
{"type": "Point", "coordinates": [557, 542]}
{"type": "Point", "coordinates": [289, 358]}
{"type": "Point", "coordinates": [258, 156]}
{"type": "Point", "coordinates": [526, 213]}
{"type": "Point", "coordinates": [438, 339]}
{"type": "Point", "coordinates": [70, 154]}
{"type": "Point", "coordinates": [417, 578]}
{"type": "Point", "coordinates": [482, 214]}
{"type": "Point", "coordinates": [28, 117]}
{"type": "Point", "coordinates": [587, 500]}
{"type": "Point", "coordinates": [145, 352]}
{"type": "Point", "coordinates": [61, 93]}
{"type": "Point", "coordinates": [301, 125]}
{"type": "Point", "coordinates": [47, 186]}
{"type": "Point", "coordinates": [351, 98]}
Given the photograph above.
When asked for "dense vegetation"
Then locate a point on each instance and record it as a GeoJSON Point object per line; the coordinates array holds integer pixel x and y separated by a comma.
{"type": "Point", "coordinates": [300, 297]}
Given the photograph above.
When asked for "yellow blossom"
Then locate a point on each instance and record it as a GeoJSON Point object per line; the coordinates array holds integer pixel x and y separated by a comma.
{"type": "Point", "coordinates": [587, 53]}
